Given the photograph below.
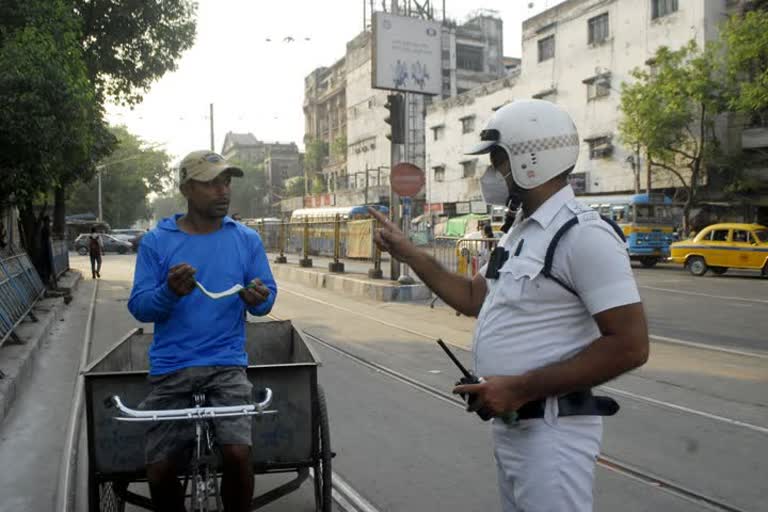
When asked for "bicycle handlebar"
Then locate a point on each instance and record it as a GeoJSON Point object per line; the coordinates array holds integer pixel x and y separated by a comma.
{"type": "Point", "coordinates": [190, 413]}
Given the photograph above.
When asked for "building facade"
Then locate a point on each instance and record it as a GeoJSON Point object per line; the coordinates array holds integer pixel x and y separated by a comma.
{"type": "Point", "coordinates": [576, 54]}
{"type": "Point", "coordinates": [472, 55]}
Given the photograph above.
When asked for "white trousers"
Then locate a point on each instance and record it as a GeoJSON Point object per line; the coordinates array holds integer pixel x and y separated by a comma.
{"type": "Point", "coordinates": [547, 465]}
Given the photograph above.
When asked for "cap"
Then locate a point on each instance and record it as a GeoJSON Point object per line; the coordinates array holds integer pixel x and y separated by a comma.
{"type": "Point", "coordinates": [204, 166]}
{"type": "Point", "coordinates": [488, 138]}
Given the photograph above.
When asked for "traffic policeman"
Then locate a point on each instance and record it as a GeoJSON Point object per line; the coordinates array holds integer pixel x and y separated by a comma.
{"type": "Point", "coordinates": [558, 312]}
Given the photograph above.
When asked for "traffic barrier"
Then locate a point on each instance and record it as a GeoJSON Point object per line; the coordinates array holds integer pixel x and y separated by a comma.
{"type": "Point", "coordinates": [20, 289]}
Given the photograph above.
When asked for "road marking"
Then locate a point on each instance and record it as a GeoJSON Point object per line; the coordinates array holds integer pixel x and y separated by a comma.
{"type": "Point", "coordinates": [699, 294]}
{"type": "Point", "coordinates": [603, 460]}
{"type": "Point", "coordinates": [705, 346]}
{"type": "Point", "coordinates": [668, 405]}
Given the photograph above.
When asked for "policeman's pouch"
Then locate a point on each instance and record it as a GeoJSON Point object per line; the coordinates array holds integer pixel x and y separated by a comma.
{"type": "Point", "coordinates": [499, 256]}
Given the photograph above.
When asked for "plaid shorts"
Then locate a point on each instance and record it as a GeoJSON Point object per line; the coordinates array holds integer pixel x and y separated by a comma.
{"type": "Point", "coordinates": [222, 385]}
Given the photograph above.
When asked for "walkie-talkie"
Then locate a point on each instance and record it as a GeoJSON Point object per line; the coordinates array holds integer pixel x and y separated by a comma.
{"type": "Point", "coordinates": [468, 378]}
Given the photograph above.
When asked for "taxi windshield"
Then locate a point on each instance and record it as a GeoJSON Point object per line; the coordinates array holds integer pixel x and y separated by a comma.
{"type": "Point", "coordinates": [762, 236]}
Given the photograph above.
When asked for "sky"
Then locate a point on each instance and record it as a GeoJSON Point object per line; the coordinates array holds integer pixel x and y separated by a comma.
{"type": "Point", "coordinates": [257, 85]}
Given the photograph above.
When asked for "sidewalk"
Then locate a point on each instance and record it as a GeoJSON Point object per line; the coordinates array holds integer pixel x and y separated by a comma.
{"type": "Point", "coordinates": [353, 281]}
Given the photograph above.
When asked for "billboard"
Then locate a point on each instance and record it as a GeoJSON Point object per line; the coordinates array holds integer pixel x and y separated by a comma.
{"type": "Point", "coordinates": [406, 54]}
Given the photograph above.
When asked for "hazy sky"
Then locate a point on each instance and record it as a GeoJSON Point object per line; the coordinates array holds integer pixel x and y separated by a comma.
{"type": "Point", "coordinates": [257, 86]}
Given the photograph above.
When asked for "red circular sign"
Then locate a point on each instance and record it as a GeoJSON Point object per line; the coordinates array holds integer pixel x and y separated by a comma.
{"type": "Point", "coordinates": [406, 179]}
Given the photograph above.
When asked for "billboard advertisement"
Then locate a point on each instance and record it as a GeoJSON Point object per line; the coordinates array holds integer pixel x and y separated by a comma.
{"type": "Point", "coordinates": [406, 54]}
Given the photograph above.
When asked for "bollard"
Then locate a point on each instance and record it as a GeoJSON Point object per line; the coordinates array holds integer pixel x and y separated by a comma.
{"type": "Point", "coordinates": [375, 272]}
{"type": "Point", "coordinates": [336, 265]}
{"type": "Point", "coordinates": [281, 244]}
{"type": "Point", "coordinates": [306, 261]}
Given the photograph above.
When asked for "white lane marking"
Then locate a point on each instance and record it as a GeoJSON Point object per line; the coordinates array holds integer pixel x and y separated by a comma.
{"type": "Point", "coordinates": [700, 294]}
{"type": "Point", "coordinates": [705, 346]}
{"type": "Point", "coordinates": [614, 390]}
{"type": "Point", "coordinates": [696, 412]}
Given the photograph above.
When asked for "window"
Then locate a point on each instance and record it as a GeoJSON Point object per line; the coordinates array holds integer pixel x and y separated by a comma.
{"type": "Point", "coordinates": [661, 8]}
{"type": "Point", "coordinates": [600, 147]}
{"type": "Point", "coordinates": [598, 29]}
{"type": "Point", "coordinates": [469, 57]}
{"type": "Point", "coordinates": [467, 124]}
{"type": "Point", "coordinates": [762, 236]}
{"type": "Point", "coordinates": [439, 173]}
{"type": "Point", "coordinates": [469, 167]}
{"type": "Point", "coordinates": [718, 235]}
{"type": "Point", "coordinates": [546, 48]}
{"type": "Point", "coordinates": [741, 236]}
{"type": "Point", "coordinates": [438, 132]}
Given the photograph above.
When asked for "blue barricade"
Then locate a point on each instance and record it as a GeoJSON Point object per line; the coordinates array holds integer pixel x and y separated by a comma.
{"type": "Point", "coordinates": [20, 289]}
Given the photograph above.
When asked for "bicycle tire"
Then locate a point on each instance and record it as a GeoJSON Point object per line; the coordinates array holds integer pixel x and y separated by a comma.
{"type": "Point", "coordinates": [322, 469]}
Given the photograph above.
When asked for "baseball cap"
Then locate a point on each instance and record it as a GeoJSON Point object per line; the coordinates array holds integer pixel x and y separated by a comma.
{"type": "Point", "coordinates": [205, 165]}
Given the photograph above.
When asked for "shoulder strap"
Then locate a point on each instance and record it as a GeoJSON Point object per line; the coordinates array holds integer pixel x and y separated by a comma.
{"type": "Point", "coordinates": [550, 256]}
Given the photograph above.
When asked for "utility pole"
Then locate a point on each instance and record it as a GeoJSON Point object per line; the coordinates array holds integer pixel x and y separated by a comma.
{"type": "Point", "coordinates": [213, 149]}
{"type": "Point", "coordinates": [101, 217]}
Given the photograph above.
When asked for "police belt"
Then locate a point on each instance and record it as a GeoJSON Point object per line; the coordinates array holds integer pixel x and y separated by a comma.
{"type": "Point", "coordinates": [578, 403]}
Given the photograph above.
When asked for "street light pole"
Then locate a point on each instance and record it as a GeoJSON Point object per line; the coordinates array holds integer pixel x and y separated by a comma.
{"type": "Point", "coordinates": [213, 149]}
{"type": "Point", "coordinates": [100, 207]}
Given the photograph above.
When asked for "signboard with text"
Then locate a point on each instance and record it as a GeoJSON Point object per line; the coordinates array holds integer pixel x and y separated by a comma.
{"type": "Point", "coordinates": [406, 54]}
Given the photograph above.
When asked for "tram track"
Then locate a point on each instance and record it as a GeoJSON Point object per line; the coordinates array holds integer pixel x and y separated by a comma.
{"type": "Point", "coordinates": [607, 389]}
{"type": "Point", "coordinates": [610, 463]}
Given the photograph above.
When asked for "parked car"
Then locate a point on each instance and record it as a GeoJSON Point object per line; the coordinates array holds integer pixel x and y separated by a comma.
{"type": "Point", "coordinates": [134, 240]}
{"type": "Point", "coordinates": [111, 244]}
{"type": "Point", "coordinates": [722, 246]}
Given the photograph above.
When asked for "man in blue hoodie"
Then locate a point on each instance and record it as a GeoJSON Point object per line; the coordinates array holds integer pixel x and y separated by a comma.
{"type": "Point", "coordinates": [199, 343]}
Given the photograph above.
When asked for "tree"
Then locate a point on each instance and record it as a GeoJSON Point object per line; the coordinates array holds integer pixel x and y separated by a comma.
{"type": "Point", "coordinates": [669, 112]}
{"type": "Point", "coordinates": [50, 121]}
{"type": "Point", "coordinates": [130, 173]}
{"type": "Point", "coordinates": [745, 39]}
{"type": "Point", "coordinates": [128, 45]}
{"type": "Point", "coordinates": [168, 204]}
{"type": "Point", "coordinates": [339, 148]}
{"type": "Point", "coordinates": [294, 187]}
{"type": "Point", "coordinates": [249, 192]}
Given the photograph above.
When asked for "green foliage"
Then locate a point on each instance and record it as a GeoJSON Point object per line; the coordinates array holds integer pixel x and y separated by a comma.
{"type": "Point", "coordinates": [249, 192]}
{"type": "Point", "coordinates": [294, 187]}
{"type": "Point", "coordinates": [130, 173]}
{"type": "Point", "coordinates": [339, 148]}
{"type": "Point", "coordinates": [318, 185]}
{"type": "Point", "coordinates": [670, 112]}
{"type": "Point", "coordinates": [746, 59]}
{"type": "Point", "coordinates": [314, 154]}
{"type": "Point", "coordinates": [130, 44]}
{"type": "Point", "coordinates": [168, 204]}
{"type": "Point", "coordinates": [49, 120]}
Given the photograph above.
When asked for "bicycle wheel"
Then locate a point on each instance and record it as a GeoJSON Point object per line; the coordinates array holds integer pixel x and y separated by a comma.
{"type": "Point", "coordinates": [322, 469]}
{"type": "Point", "coordinates": [109, 498]}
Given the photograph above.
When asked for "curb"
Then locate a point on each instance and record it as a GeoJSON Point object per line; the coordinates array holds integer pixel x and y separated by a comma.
{"type": "Point", "coordinates": [353, 284]}
{"type": "Point", "coordinates": [17, 362]}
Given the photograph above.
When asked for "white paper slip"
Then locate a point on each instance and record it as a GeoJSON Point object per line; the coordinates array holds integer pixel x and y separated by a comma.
{"type": "Point", "coordinates": [219, 295]}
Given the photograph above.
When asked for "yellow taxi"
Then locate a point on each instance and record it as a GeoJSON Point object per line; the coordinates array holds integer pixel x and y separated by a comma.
{"type": "Point", "coordinates": [722, 246]}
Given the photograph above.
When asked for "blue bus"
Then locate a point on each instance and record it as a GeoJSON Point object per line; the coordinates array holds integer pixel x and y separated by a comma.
{"type": "Point", "coordinates": [649, 223]}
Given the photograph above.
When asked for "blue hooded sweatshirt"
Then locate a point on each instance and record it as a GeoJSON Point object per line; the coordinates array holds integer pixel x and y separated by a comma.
{"type": "Point", "coordinates": [195, 330]}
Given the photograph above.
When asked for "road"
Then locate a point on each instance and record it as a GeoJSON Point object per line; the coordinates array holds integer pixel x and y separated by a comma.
{"type": "Point", "coordinates": [692, 429]}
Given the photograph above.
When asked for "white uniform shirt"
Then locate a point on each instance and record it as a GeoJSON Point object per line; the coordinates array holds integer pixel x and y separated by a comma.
{"type": "Point", "coordinates": [528, 320]}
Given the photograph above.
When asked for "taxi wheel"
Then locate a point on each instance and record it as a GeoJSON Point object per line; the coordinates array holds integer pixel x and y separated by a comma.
{"type": "Point", "coordinates": [719, 270]}
{"type": "Point", "coordinates": [697, 266]}
{"type": "Point", "coordinates": [765, 269]}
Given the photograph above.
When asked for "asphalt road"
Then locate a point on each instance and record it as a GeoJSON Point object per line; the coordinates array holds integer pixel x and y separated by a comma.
{"type": "Point", "coordinates": [694, 419]}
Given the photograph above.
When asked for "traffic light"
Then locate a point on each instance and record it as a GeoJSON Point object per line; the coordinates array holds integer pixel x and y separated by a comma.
{"type": "Point", "coordinates": [395, 118]}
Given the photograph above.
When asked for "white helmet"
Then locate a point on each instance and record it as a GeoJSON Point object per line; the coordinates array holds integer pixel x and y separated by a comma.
{"type": "Point", "coordinates": [539, 137]}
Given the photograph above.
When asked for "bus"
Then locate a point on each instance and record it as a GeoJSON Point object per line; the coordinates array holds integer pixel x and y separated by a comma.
{"type": "Point", "coordinates": [648, 222]}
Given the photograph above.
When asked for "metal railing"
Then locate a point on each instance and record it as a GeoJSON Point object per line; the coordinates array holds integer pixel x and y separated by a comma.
{"type": "Point", "coordinates": [20, 289]}
{"type": "Point", "coordinates": [60, 250]}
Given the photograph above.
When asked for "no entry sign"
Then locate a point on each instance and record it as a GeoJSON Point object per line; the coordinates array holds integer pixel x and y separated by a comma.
{"type": "Point", "coordinates": [406, 179]}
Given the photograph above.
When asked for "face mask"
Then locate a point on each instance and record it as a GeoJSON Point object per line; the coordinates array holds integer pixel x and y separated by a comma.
{"type": "Point", "coordinates": [494, 188]}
